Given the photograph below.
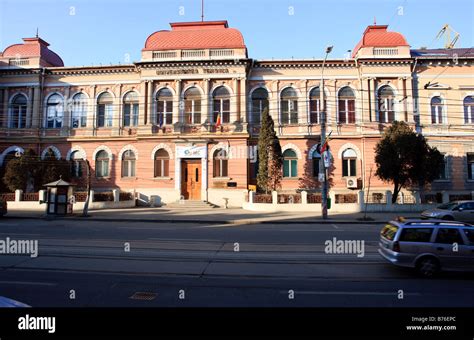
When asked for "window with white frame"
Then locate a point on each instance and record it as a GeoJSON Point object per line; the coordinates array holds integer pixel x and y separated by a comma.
{"type": "Point", "coordinates": [18, 112]}
{"type": "Point", "coordinates": [469, 110]}
{"type": "Point", "coordinates": [349, 163]}
{"type": "Point", "coordinates": [221, 104]}
{"type": "Point", "coordinates": [54, 111]}
{"type": "Point", "coordinates": [130, 109]}
{"type": "Point", "coordinates": [128, 164]}
{"type": "Point", "coordinates": [164, 108]}
{"type": "Point", "coordinates": [102, 164]}
{"type": "Point", "coordinates": [315, 106]}
{"type": "Point", "coordinates": [221, 162]}
{"type": "Point", "coordinates": [259, 104]}
{"type": "Point", "coordinates": [105, 110]}
{"type": "Point", "coordinates": [289, 106]}
{"type": "Point", "coordinates": [436, 110]}
{"type": "Point", "coordinates": [290, 164]}
{"type": "Point", "coordinates": [79, 111]}
{"type": "Point", "coordinates": [76, 164]}
{"type": "Point", "coordinates": [192, 106]}
{"type": "Point", "coordinates": [162, 163]}
{"type": "Point", "coordinates": [386, 98]}
{"type": "Point", "coordinates": [346, 106]}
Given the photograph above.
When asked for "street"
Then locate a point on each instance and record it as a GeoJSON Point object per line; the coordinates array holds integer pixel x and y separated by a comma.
{"type": "Point", "coordinates": [144, 264]}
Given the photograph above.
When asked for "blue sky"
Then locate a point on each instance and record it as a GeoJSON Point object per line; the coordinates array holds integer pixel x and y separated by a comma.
{"type": "Point", "coordinates": [106, 31]}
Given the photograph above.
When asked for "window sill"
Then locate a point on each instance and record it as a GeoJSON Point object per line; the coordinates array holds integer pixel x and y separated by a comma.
{"type": "Point", "coordinates": [162, 178]}
{"type": "Point", "coordinates": [221, 178]}
{"type": "Point", "coordinates": [291, 178]}
{"type": "Point", "coordinates": [103, 178]}
{"type": "Point", "coordinates": [129, 178]}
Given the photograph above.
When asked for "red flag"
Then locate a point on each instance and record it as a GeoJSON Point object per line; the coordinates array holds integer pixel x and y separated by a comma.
{"type": "Point", "coordinates": [326, 143]}
{"type": "Point", "coordinates": [218, 120]}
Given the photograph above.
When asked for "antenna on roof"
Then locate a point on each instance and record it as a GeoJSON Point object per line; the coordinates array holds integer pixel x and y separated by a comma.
{"type": "Point", "coordinates": [37, 29]}
{"type": "Point", "coordinates": [202, 10]}
{"type": "Point", "coordinates": [375, 21]}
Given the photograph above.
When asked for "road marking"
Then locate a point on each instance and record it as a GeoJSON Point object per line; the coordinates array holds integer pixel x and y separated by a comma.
{"type": "Point", "coordinates": [29, 283]}
{"type": "Point", "coordinates": [335, 226]}
{"type": "Point", "coordinates": [347, 293]}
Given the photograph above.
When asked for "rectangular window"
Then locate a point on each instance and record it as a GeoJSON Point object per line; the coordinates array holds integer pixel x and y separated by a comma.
{"type": "Point", "coordinates": [126, 115]}
{"type": "Point", "coordinates": [316, 164]}
{"type": "Point", "coordinates": [349, 167]}
{"type": "Point", "coordinates": [436, 114]}
{"type": "Point", "coordinates": [342, 112]}
{"type": "Point", "coordinates": [469, 114]}
{"type": "Point", "coordinates": [101, 115]}
{"type": "Point", "coordinates": [109, 114]}
{"type": "Point", "coordinates": [449, 236]}
{"type": "Point", "coordinates": [444, 169]}
{"type": "Point", "coordinates": [470, 166]}
{"type": "Point", "coordinates": [416, 234]}
{"type": "Point", "coordinates": [290, 168]}
{"type": "Point", "coordinates": [135, 114]}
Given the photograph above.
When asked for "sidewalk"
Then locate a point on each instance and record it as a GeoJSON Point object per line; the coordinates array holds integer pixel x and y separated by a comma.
{"type": "Point", "coordinates": [212, 216]}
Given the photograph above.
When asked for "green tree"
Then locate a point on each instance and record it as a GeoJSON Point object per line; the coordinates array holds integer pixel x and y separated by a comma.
{"type": "Point", "coordinates": [404, 158]}
{"type": "Point", "coordinates": [53, 169]}
{"type": "Point", "coordinates": [269, 156]}
{"type": "Point", "coordinates": [23, 172]}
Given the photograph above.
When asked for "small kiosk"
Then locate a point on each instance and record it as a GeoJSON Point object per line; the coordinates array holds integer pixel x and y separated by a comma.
{"type": "Point", "coordinates": [58, 198]}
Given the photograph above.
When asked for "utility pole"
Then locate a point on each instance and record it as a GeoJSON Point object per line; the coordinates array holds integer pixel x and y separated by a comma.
{"type": "Point", "coordinates": [202, 10]}
{"type": "Point", "coordinates": [322, 105]}
{"type": "Point", "coordinates": [85, 211]}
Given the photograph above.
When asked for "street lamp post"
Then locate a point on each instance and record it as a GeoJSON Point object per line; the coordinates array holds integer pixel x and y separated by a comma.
{"type": "Point", "coordinates": [322, 106]}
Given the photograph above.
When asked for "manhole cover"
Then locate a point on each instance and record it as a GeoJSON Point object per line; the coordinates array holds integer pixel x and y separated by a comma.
{"type": "Point", "coordinates": [144, 296]}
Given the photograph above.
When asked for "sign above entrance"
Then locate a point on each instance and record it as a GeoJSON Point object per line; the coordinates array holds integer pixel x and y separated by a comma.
{"type": "Point", "coordinates": [191, 152]}
{"type": "Point", "coordinates": [191, 71]}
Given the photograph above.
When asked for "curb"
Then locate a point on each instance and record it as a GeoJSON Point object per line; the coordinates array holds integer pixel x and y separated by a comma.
{"type": "Point", "coordinates": [185, 221]}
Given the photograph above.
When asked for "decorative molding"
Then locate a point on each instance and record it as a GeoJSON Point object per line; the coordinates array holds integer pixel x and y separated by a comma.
{"type": "Point", "coordinates": [162, 146]}
{"type": "Point", "coordinates": [55, 150]}
{"type": "Point", "coordinates": [294, 148]}
{"type": "Point", "coordinates": [105, 148]}
{"type": "Point", "coordinates": [77, 148]}
{"type": "Point", "coordinates": [126, 148]}
{"type": "Point", "coordinates": [349, 146]}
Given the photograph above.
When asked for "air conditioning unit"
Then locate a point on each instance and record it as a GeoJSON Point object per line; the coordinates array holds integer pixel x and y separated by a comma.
{"type": "Point", "coordinates": [352, 183]}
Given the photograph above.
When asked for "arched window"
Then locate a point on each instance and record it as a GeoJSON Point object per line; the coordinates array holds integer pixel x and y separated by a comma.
{"type": "Point", "coordinates": [102, 164]}
{"type": "Point", "coordinates": [164, 108]}
{"type": "Point", "coordinates": [130, 109]}
{"type": "Point", "coordinates": [290, 163]}
{"type": "Point", "coordinates": [469, 110]}
{"type": "Point", "coordinates": [54, 111]}
{"type": "Point", "coordinates": [346, 106]}
{"type": "Point", "coordinates": [220, 163]}
{"type": "Point", "coordinates": [76, 164]}
{"type": "Point", "coordinates": [128, 164]}
{"type": "Point", "coordinates": [105, 110]}
{"type": "Point", "coordinates": [436, 110]}
{"type": "Point", "coordinates": [315, 106]}
{"type": "Point", "coordinates": [259, 103]}
{"type": "Point", "coordinates": [18, 112]}
{"type": "Point", "coordinates": [349, 163]}
{"type": "Point", "coordinates": [162, 163]}
{"type": "Point", "coordinates": [386, 104]}
{"type": "Point", "coordinates": [221, 100]}
{"type": "Point", "coordinates": [192, 106]}
{"type": "Point", "coordinates": [316, 163]}
{"type": "Point", "coordinates": [289, 106]}
{"type": "Point", "coordinates": [79, 111]}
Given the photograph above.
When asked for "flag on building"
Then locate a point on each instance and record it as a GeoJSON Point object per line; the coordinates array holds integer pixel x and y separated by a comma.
{"type": "Point", "coordinates": [218, 120]}
{"type": "Point", "coordinates": [325, 146]}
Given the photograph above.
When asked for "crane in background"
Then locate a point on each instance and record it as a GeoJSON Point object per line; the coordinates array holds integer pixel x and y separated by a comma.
{"type": "Point", "coordinates": [447, 31]}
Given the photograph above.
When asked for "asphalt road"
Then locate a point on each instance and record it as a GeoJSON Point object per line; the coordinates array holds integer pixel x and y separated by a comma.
{"type": "Point", "coordinates": [106, 263]}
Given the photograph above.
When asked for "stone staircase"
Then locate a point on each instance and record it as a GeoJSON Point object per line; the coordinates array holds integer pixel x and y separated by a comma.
{"type": "Point", "coordinates": [191, 205]}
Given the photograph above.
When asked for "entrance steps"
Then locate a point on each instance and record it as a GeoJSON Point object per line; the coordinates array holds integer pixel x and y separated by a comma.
{"type": "Point", "coordinates": [191, 205]}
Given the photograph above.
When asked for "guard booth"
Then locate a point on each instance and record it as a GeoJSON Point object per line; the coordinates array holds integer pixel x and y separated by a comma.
{"type": "Point", "coordinates": [58, 198]}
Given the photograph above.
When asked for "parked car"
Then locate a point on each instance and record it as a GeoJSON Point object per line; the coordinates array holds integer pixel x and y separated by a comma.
{"type": "Point", "coordinates": [3, 207]}
{"type": "Point", "coordinates": [6, 302]}
{"type": "Point", "coordinates": [428, 246]}
{"type": "Point", "coordinates": [452, 211]}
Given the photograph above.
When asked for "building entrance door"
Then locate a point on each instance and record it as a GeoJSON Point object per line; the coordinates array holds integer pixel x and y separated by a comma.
{"type": "Point", "coordinates": [191, 179]}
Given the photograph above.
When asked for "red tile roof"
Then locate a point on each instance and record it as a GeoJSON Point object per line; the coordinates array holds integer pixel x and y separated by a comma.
{"type": "Point", "coordinates": [378, 36]}
{"type": "Point", "coordinates": [33, 47]}
{"type": "Point", "coordinates": [196, 35]}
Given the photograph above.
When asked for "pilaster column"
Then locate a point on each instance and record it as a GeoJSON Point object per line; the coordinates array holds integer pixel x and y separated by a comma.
{"type": "Point", "coordinates": [67, 108]}
{"type": "Point", "coordinates": [373, 89]}
{"type": "Point", "coordinates": [206, 115]}
{"type": "Point", "coordinates": [234, 101]}
{"type": "Point", "coordinates": [178, 102]}
{"type": "Point", "coordinates": [35, 114]}
{"type": "Point", "coordinates": [141, 104]}
{"type": "Point", "coordinates": [150, 101]}
{"type": "Point", "coordinates": [4, 106]}
{"type": "Point", "coordinates": [91, 112]}
{"type": "Point", "coordinates": [303, 103]}
{"type": "Point", "coordinates": [274, 102]}
{"type": "Point", "coordinates": [244, 114]}
{"type": "Point", "coordinates": [29, 108]}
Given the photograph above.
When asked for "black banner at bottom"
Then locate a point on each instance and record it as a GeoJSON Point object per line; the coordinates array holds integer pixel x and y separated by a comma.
{"type": "Point", "coordinates": [137, 323]}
